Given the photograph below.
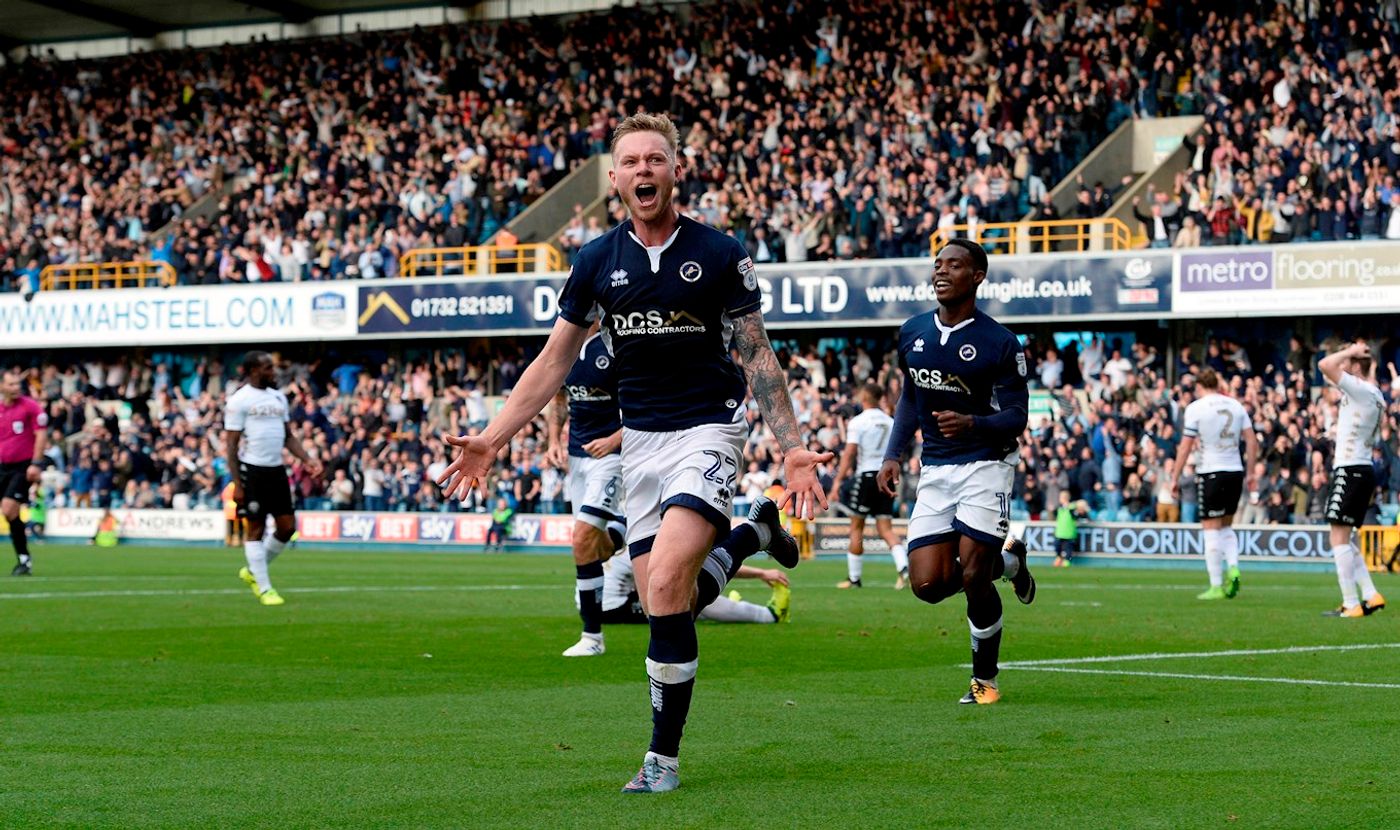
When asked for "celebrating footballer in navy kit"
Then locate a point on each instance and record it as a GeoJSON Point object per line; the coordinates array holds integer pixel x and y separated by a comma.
{"type": "Point", "coordinates": [670, 294]}
{"type": "Point", "coordinates": [965, 390]}
{"type": "Point", "coordinates": [594, 483]}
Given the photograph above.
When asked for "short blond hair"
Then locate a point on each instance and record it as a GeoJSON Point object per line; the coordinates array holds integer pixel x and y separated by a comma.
{"type": "Point", "coordinates": [645, 122]}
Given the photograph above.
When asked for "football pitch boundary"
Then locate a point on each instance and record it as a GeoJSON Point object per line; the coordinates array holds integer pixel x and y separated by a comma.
{"type": "Point", "coordinates": [1074, 665]}
{"type": "Point", "coordinates": [346, 589]}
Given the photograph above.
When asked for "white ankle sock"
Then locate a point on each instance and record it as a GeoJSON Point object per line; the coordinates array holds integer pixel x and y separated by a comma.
{"type": "Point", "coordinates": [724, 609]}
{"type": "Point", "coordinates": [1214, 567]}
{"type": "Point", "coordinates": [900, 554]}
{"type": "Point", "coordinates": [854, 566]}
{"type": "Point", "coordinates": [256, 554]}
{"type": "Point", "coordinates": [1346, 576]}
{"type": "Point", "coordinates": [1362, 574]}
{"type": "Point", "coordinates": [1230, 544]}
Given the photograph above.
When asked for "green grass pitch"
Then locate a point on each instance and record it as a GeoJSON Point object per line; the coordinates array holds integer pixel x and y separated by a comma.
{"type": "Point", "coordinates": [145, 687]}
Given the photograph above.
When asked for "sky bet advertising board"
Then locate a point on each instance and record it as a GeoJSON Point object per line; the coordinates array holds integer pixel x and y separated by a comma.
{"type": "Point", "coordinates": [872, 292]}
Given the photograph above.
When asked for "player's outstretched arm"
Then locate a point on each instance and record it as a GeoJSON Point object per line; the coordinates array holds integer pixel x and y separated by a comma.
{"type": "Point", "coordinates": [539, 382]}
{"type": "Point", "coordinates": [556, 417]}
{"type": "Point", "coordinates": [768, 384]}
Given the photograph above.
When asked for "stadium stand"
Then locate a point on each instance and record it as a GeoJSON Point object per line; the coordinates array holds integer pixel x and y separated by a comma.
{"type": "Point", "coordinates": [809, 134]}
{"type": "Point", "coordinates": [143, 433]}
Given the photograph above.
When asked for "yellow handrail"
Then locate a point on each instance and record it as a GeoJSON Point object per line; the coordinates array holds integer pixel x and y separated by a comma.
{"type": "Point", "coordinates": [481, 260]}
{"type": "Point", "coordinates": [1379, 545]}
{"type": "Point", "coordinates": [1044, 236]}
{"type": "Point", "coordinates": [89, 275]}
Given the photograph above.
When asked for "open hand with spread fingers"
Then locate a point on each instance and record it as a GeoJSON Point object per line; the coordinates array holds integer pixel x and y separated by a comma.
{"type": "Point", "coordinates": [475, 455]}
{"type": "Point", "coordinates": [805, 496]}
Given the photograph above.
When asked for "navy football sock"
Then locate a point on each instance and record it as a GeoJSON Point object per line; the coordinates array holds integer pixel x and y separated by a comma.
{"type": "Point", "coordinates": [672, 659]}
{"type": "Point", "coordinates": [21, 541]}
{"type": "Point", "coordinates": [723, 563]}
{"type": "Point", "coordinates": [590, 596]}
{"type": "Point", "coordinates": [984, 619]}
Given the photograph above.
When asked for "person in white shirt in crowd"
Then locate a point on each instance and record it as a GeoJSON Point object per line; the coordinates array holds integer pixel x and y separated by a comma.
{"type": "Point", "coordinates": [1051, 370]}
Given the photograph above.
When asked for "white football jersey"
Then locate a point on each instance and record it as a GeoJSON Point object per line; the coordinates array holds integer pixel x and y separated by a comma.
{"type": "Point", "coordinates": [1358, 421]}
{"type": "Point", "coordinates": [261, 415]}
{"type": "Point", "coordinates": [1218, 422]}
{"type": "Point", "coordinates": [870, 432]}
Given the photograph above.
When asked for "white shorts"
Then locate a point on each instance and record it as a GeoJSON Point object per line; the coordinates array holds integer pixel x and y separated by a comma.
{"type": "Point", "coordinates": [696, 468]}
{"type": "Point", "coordinates": [594, 487]}
{"type": "Point", "coordinates": [962, 499]}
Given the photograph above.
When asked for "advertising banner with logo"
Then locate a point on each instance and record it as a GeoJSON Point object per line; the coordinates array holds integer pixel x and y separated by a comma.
{"type": "Point", "coordinates": [1291, 543]}
{"type": "Point", "coordinates": [137, 525]}
{"type": "Point", "coordinates": [270, 312]}
{"type": "Point", "coordinates": [1294, 543]}
{"type": "Point", "coordinates": [1289, 279]}
{"type": "Point", "coordinates": [871, 292]}
{"type": "Point", "coordinates": [468, 529]}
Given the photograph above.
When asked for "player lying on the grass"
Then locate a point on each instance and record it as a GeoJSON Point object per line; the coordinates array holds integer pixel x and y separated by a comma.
{"type": "Point", "coordinates": [965, 390]}
{"type": "Point", "coordinates": [1217, 422]}
{"type": "Point", "coordinates": [866, 437]}
{"type": "Point", "coordinates": [622, 604]}
{"type": "Point", "coordinates": [255, 433]}
{"type": "Point", "coordinates": [23, 438]}
{"type": "Point", "coordinates": [1359, 416]}
{"type": "Point", "coordinates": [671, 293]}
{"type": "Point", "coordinates": [586, 410]}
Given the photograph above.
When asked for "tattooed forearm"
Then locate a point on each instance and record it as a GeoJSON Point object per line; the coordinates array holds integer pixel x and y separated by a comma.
{"type": "Point", "coordinates": [767, 381]}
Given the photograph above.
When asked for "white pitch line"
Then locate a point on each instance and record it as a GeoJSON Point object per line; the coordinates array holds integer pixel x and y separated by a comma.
{"type": "Point", "coordinates": [330, 589]}
{"type": "Point", "coordinates": [1096, 586]}
{"type": "Point", "coordinates": [1233, 678]}
{"type": "Point", "coordinates": [1170, 655]}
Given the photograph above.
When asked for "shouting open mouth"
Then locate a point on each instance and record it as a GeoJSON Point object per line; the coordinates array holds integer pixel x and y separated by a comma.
{"type": "Point", "coordinates": [646, 195]}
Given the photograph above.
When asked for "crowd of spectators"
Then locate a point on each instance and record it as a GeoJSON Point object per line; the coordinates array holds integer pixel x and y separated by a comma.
{"type": "Point", "coordinates": [810, 131]}
{"type": "Point", "coordinates": [1300, 141]}
{"type": "Point", "coordinates": [1105, 428]}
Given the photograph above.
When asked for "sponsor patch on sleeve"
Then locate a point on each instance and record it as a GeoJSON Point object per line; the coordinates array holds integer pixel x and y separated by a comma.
{"type": "Point", "coordinates": [749, 273]}
{"type": "Point", "coordinates": [1021, 363]}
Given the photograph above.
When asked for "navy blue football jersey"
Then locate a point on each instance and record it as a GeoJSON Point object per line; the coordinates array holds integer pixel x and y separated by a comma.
{"type": "Point", "coordinates": [974, 368]}
{"type": "Point", "coordinates": [592, 390]}
{"type": "Point", "coordinates": [666, 313]}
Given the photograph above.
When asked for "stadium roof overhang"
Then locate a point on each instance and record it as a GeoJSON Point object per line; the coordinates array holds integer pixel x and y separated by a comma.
{"type": "Point", "coordinates": [47, 21]}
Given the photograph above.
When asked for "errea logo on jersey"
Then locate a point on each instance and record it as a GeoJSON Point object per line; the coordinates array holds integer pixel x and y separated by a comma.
{"type": "Point", "coordinates": [937, 380]}
{"type": "Point", "coordinates": [656, 322]}
{"type": "Point", "coordinates": [618, 278]}
{"type": "Point", "coordinates": [918, 345]}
